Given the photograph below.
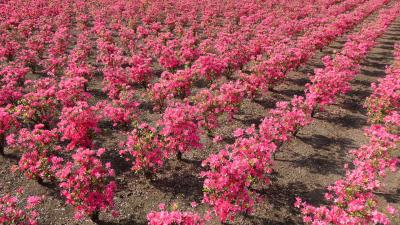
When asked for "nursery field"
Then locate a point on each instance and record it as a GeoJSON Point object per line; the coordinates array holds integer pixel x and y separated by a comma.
{"type": "Point", "coordinates": [178, 112]}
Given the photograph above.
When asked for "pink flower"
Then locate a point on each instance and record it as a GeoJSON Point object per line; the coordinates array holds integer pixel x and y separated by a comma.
{"type": "Point", "coordinates": [217, 139]}
{"type": "Point", "coordinates": [238, 133]}
{"type": "Point", "coordinates": [33, 201]}
{"type": "Point", "coordinates": [161, 206]}
{"type": "Point", "coordinates": [100, 152]}
{"type": "Point", "coordinates": [391, 209]}
{"type": "Point", "coordinates": [16, 210]}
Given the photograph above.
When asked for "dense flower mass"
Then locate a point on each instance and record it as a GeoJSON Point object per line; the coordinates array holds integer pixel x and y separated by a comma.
{"type": "Point", "coordinates": [180, 128]}
{"type": "Point", "coordinates": [233, 173]}
{"type": "Point", "coordinates": [17, 210]}
{"type": "Point", "coordinates": [165, 217]}
{"type": "Point", "coordinates": [162, 78]}
{"type": "Point", "coordinates": [144, 148]}
{"type": "Point", "coordinates": [39, 159]}
{"type": "Point", "coordinates": [85, 183]}
{"type": "Point", "coordinates": [78, 124]}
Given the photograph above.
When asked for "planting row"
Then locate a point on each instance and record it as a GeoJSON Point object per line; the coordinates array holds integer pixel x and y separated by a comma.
{"type": "Point", "coordinates": [353, 199]}
{"type": "Point", "coordinates": [236, 171]}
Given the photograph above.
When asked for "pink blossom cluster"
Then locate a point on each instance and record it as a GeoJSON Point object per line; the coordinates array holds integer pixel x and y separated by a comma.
{"type": "Point", "coordinates": [39, 105]}
{"type": "Point", "coordinates": [117, 113]}
{"type": "Point", "coordinates": [386, 95]}
{"type": "Point", "coordinates": [78, 124]}
{"type": "Point", "coordinates": [72, 90]}
{"type": "Point", "coordinates": [234, 173]}
{"type": "Point", "coordinates": [176, 133]}
{"type": "Point", "coordinates": [85, 183]}
{"type": "Point", "coordinates": [6, 122]}
{"type": "Point", "coordinates": [180, 128]}
{"type": "Point", "coordinates": [144, 148]}
{"type": "Point", "coordinates": [211, 106]}
{"type": "Point", "coordinates": [17, 210]}
{"type": "Point", "coordinates": [171, 85]}
{"type": "Point", "coordinates": [286, 119]}
{"type": "Point", "coordinates": [11, 79]}
{"type": "Point", "coordinates": [39, 148]}
{"type": "Point", "coordinates": [165, 217]}
{"type": "Point", "coordinates": [141, 70]}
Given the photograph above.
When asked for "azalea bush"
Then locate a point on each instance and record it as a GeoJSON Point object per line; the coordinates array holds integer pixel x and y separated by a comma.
{"type": "Point", "coordinates": [145, 148]}
{"type": "Point", "coordinates": [86, 183]}
{"type": "Point", "coordinates": [18, 210]}
{"type": "Point", "coordinates": [6, 122]}
{"type": "Point", "coordinates": [40, 152]}
{"type": "Point", "coordinates": [180, 130]}
{"type": "Point", "coordinates": [174, 216]}
{"type": "Point", "coordinates": [40, 105]}
{"type": "Point", "coordinates": [78, 124]}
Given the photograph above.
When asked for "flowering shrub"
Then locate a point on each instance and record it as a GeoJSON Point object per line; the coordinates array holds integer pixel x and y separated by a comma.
{"type": "Point", "coordinates": [233, 173]}
{"type": "Point", "coordinates": [78, 124]}
{"type": "Point", "coordinates": [210, 67]}
{"type": "Point", "coordinates": [15, 210]}
{"type": "Point", "coordinates": [86, 183]}
{"type": "Point", "coordinates": [72, 90]}
{"type": "Point", "coordinates": [141, 70]}
{"type": "Point", "coordinates": [180, 131]}
{"type": "Point", "coordinates": [230, 97]}
{"type": "Point", "coordinates": [115, 113]}
{"type": "Point", "coordinates": [171, 85]}
{"type": "Point", "coordinates": [209, 108]}
{"type": "Point", "coordinates": [39, 149]}
{"type": "Point", "coordinates": [40, 105]}
{"type": "Point", "coordinates": [121, 110]}
{"type": "Point", "coordinates": [285, 120]}
{"type": "Point", "coordinates": [79, 70]}
{"type": "Point", "coordinates": [168, 58]}
{"type": "Point", "coordinates": [173, 217]}
{"type": "Point", "coordinates": [145, 148]}
{"type": "Point", "coordinates": [6, 121]}
{"type": "Point", "coordinates": [226, 99]}
{"type": "Point", "coordinates": [11, 78]}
